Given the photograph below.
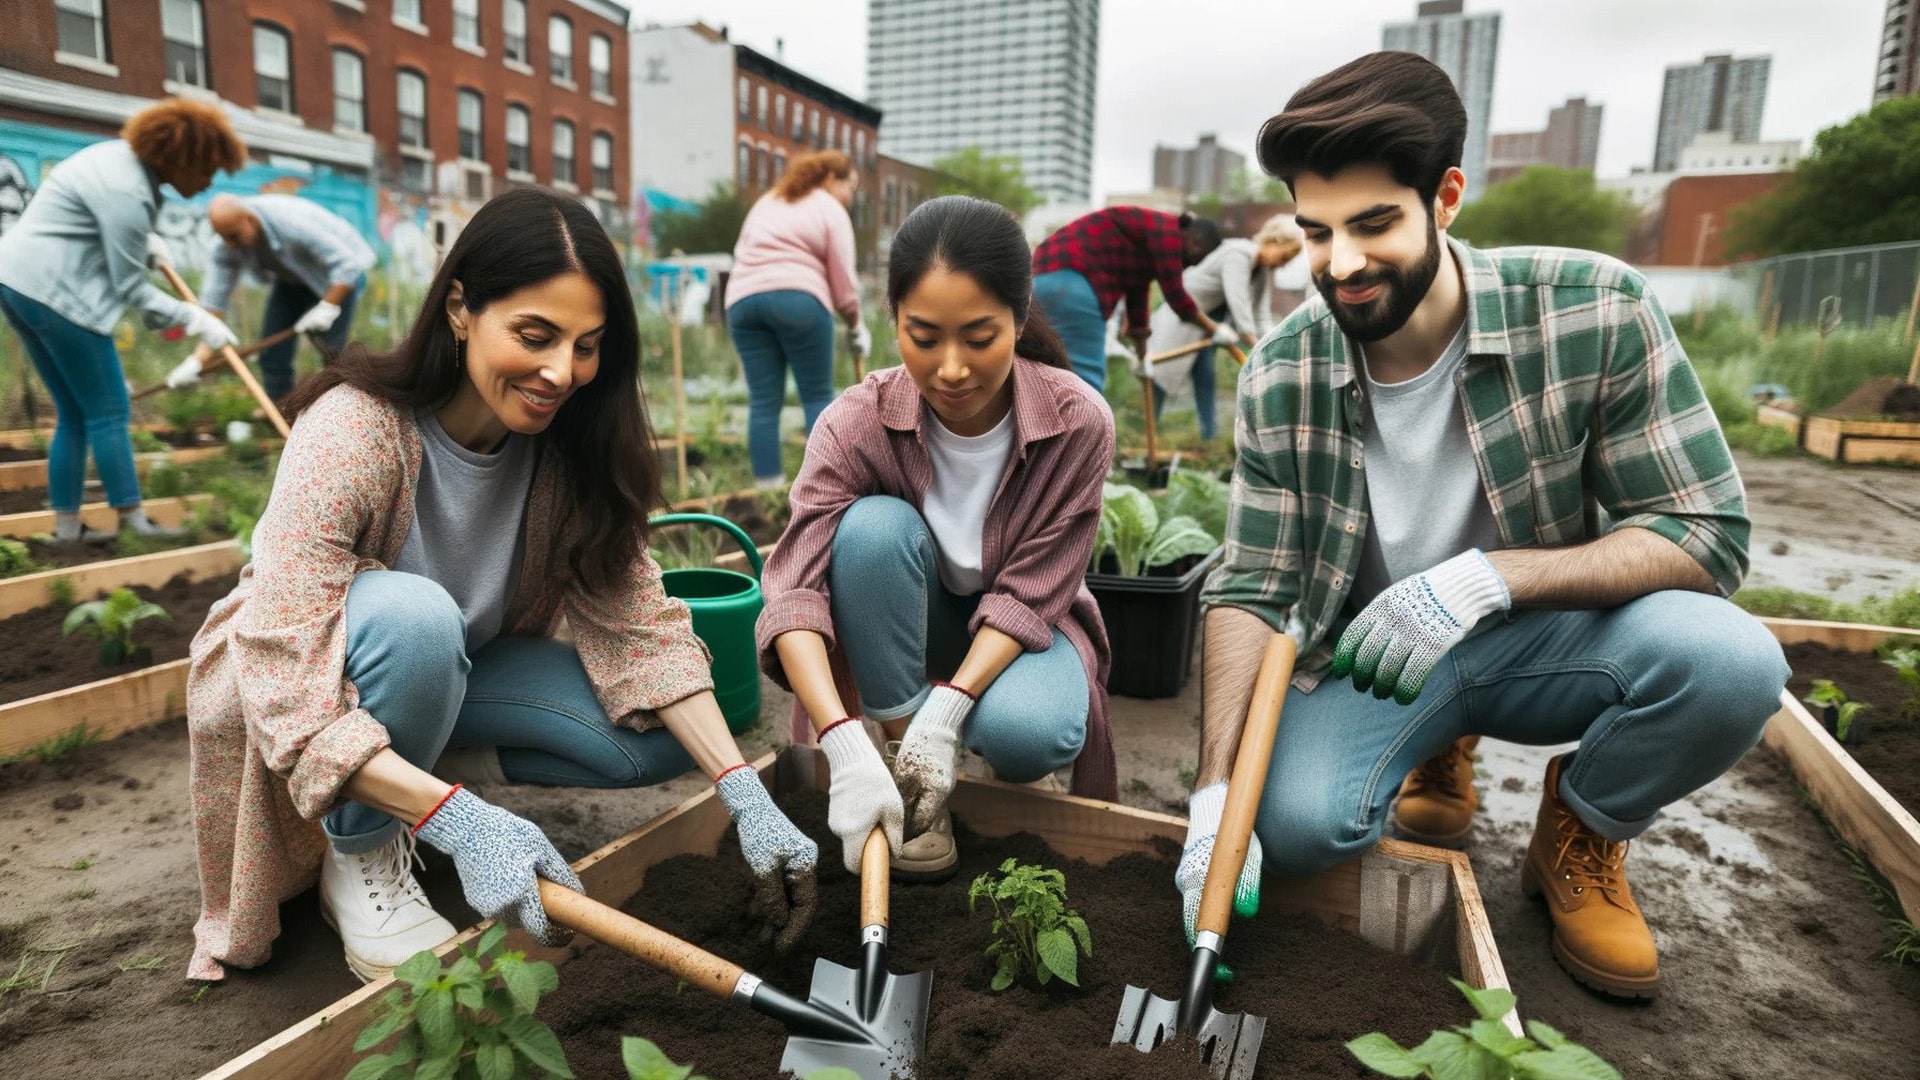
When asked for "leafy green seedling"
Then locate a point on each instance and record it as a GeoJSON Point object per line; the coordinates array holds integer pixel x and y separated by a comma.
{"type": "Point", "coordinates": [61, 593]}
{"type": "Point", "coordinates": [645, 1061]}
{"type": "Point", "coordinates": [1905, 662]}
{"type": "Point", "coordinates": [16, 559]}
{"type": "Point", "coordinates": [473, 1018]}
{"type": "Point", "coordinates": [113, 621]}
{"type": "Point", "coordinates": [1825, 695]}
{"type": "Point", "coordinates": [1134, 533]}
{"type": "Point", "coordinates": [1035, 932]}
{"type": "Point", "coordinates": [146, 442]}
{"type": "Point", "coordinates": [1484, 1049]}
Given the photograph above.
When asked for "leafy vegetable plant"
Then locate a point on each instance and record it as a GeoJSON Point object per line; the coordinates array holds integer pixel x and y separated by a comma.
{"type": "Point", "coordinates": [1200, 497]}
{"type": "Point", "coordinates": [645, 1061]}
{"type": "Point", "coordinates": [113, 621]}
{"type": "Point", "coordinates": [1036, 933]}
{"type": "Point", "coordinates": [1825, 695]}
{"type": "Point", "coordinates": [1905, 662]}
{"type": "Point", "coordinates": [1133, 531]}
{"type": "Point", "coordinates": [472, 1020]}
{"type": "Point", "coordinates": [1485, 1049]}
{"type": "Point", "coordinates": [16, 559]}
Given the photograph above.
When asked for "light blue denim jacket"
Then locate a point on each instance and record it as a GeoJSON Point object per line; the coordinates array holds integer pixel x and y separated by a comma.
{"type": "Point", "coordinates": [80, 247]}
{"type": "Point", "coordinates": [300, 240]}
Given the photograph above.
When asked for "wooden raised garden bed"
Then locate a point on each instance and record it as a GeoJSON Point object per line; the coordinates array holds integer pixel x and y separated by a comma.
{"type": "Point", "coordinates": [27, 475]}
{"type": "Point", "coordinates": [1857, 442]}
{"type": "Point", "coordinates": [169, 511]}
{"type": "Point", "coordinates": [1419, 901]}
{"type": "Point", "coordinates": [29, 591]}
{"type": "Point", "coordinates": [1859, 807]}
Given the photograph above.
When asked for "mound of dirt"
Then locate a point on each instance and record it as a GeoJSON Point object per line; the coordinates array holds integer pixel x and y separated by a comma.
{"type": "Point", "coordinates": [1886, 398]}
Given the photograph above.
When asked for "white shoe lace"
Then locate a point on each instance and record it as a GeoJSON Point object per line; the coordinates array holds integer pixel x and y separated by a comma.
{"type": "Point", "coordinates": [387, 872]}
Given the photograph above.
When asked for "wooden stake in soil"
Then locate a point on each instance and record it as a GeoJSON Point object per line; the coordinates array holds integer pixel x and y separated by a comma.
{"type": "Point", "coordinates": [240, 367]}
{"type": "Point", "coordinates": [1913, 313]}
{"type": "Point", "coordinates": [1913, 369]}
{"type": "Point", "coordinates": [679, 380]}
{"type": "Point", "coordinates": [1146, 406]}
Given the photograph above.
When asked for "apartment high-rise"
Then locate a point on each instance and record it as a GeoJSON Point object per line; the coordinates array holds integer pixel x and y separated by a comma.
{"type": "Point", "coordinates": [1205, 169]}
{"type": "Point", "coordinates": [1014, 79]}
{"type": "Point", "coordinates": [1898, 70]}
{"type": "Point", "coordinates": [1573, 134]}
{"type": "Point", "coordinates": [1465, 46]}
{"type": "Point", "coordinates": [1719, 93]}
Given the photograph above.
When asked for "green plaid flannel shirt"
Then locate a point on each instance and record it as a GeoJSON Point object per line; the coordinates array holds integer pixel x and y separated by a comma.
{"type": "Point", "coordinates": [1577, 397]}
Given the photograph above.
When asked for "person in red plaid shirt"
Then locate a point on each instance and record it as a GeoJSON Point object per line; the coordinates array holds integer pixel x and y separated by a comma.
{"type": "Point", "coordinates": [1083, 271]}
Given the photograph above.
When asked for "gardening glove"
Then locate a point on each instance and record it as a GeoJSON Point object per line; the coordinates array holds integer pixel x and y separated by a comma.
{"type": "Point", "coordinates": [861, 794]}
{"type": "Point", "coordinates": [157, 251]}
{"type": "Point", "coordinates": [318, 320]}
{"type": "Point", "coordinates": [208, 327]}
{"type": "Point", "coordinates": [1203, 824]}
{"type": "Point", "coordinates": [782, 858]}
{"type": "Point", "coordinates": [860, 340]}
{"type": "Point", "coordinates": [185, 373]}
{"type": "Point", "coordinates": [499, 857]}
{"type": "Point", "coordinates": [1394, 643]}
{"type": "Point", "coordinates": [1225, 334]}
{"type": "Point", "coordinates": [929, 754]}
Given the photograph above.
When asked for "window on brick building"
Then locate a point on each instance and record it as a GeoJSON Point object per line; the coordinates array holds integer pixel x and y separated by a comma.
{"type": "Point", "coordinates": [602, 161]}
{"type": "Point", "coordinates": [473, 110]}
{"type": "Point", "coordinates": [407, 12]}
{"type": "Point", "coordinates": [183, 28]}
{"type": "Point", "coordinates": [519, 139]}
{"type": "Point", "coordinates": [416, 163]}
{"type": "Point", "coordinates": [513, 30]}
{"type": "Point", "coordinates": [349, 91]}
{"type": "Point", "coordinates": [760, 107]}
{"type": "Point", "coordinates": [466, 22]}
{"type": "Point", "coordinates": [273, 67]}
{"type": "Point", "coordinates": [600, 64]}
{"type": "Point", "coordinates": [82, 28]}
{"type": "Point", "coordinates": [564, 171]}
{"type": "Point", "coordinates": [560, 47]}
{"type": "Point", "coordinates": [744, 169]}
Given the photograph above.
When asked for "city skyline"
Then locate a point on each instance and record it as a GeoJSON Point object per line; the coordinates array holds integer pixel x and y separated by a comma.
{"type": "Point", "coordinates": [1225, 66]}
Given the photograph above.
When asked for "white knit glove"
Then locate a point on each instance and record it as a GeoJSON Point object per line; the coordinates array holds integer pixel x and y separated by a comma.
{"type": "Point", "coordinates": [1203, 824]}
{"type": "Point", "coordinates": [184, 374]}
{"type": "Point", "coordinates": [1225, 334]}
{"type": "Point", "coordinates": [207, 326]}
{"type": "Point", "coordinates": [1394, 643]}
{"type": "Point", "coordinates": [318, 319]}
{"type": "Point", "coordinates": [930, 753]}
{"type": "Point", "coordinates": [861, 794]}
{"type": "Point", "coordinates": [860, 339]}
{"type": "Point", "coordinates": [157, 250]}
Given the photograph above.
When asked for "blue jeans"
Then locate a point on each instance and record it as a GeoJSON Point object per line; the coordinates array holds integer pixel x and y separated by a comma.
{"type": "Point", "coordinates": [900, 627]}
{"type": "Point", "coordinates": [406, 652]}
{"type": "Point", "coordinates": [286, 302]}
{"type": "Point", "coordinates": [1663, 694]}
{"type": "Point", "coordinates": [82, 373]}
{"type": "Point", "coordinates": [775, 331]}
{"type": "Point", "coordinates": [1074, 312]}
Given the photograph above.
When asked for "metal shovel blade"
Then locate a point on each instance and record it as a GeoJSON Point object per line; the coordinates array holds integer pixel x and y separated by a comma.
{"type": "Point", "coordinates": [1228, 1042]}
{"type": "Point", "coordinates": [896, 1028]}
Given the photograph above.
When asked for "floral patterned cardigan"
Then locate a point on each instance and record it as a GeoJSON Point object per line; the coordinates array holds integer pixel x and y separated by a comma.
{"type": "Point", "coordinates": [276, 729]}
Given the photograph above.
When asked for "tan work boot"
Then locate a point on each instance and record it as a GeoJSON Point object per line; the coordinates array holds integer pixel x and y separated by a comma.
{"type": "Point", "coordinates": [929, 856]}
{"type": "Point", "coordinates": [1437, 799]}
{"type": "Point", "coordinates": [1599, 935]}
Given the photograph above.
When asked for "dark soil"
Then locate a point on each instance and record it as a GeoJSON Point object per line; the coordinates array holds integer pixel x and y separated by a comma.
{"type": "Point", "coordinates": [23, 502]}
{"type": "Point", "coordinates": [62, 556]}
{"type": "Point", "coordinates": [1886, 398]}
{"type": "Point", "coordinates": [1891, 750]}
{"type": "Point", "coordinates": [36, 658]}
{"type": "Point", "coordinates": [21, 453]}
{"type": "Point", "coordinates": [1318, 987]}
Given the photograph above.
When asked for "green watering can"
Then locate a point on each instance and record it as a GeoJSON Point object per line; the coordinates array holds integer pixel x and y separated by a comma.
{"type": "Point", "coordinates": [725, 605]}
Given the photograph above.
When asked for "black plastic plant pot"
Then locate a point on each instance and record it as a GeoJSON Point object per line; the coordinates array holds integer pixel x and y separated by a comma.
{"type": "Point", "coordinates": [1152, 622]}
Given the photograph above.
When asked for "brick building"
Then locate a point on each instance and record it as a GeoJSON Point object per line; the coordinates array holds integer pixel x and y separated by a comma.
{"type": "Point", "coordinates": [898, 187]}
{"type": "Point", "coordinates": [1691, 227]}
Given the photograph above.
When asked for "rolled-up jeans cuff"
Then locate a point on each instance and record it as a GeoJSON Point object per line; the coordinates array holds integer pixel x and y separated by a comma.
{"type": "Point", "coordinates": [361, 843]}
{"type": "Point", "coordinates": [880, 715]}
{"type": "Point", "coordinates": [1598, 820]}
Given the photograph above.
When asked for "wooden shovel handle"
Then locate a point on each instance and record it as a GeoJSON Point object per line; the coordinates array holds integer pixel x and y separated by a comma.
{"type": "Point", "coordinates": [645, 942]}
{"type": "Point", "coordinates": [262, 345]}
{"type": "Point", "coordinates": [1249, 780]}
{"type": "Point", "coordinates": [875, 869]}
{"type": "Point", "coordinates": [240, 367]}
{"type": "Point", "coordinates": [1184, 350]}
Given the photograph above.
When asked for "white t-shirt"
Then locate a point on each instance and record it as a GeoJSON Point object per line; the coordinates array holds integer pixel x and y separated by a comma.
{"type": "Point", "coordinates": [966, 473]}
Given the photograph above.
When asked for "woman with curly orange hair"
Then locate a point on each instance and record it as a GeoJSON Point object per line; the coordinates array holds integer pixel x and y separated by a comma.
{"type": "Point", "coordinates": [73, 263]}
{"type": "Point", "coordinates": [792, 270]}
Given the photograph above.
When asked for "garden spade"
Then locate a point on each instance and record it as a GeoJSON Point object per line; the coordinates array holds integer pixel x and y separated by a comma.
{"type": "Point", "coordinates": [1229, 1042]}
{"type": "Point", "coordinates": [892, 1008]}
{"type": "Point", "coordinates": [834, 1037]}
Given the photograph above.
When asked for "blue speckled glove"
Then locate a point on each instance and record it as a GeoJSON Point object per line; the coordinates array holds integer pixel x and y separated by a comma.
{"type": "Point", "coordinates": [500, 857]}
{"type": "Point", "coordinates": [783, 859]}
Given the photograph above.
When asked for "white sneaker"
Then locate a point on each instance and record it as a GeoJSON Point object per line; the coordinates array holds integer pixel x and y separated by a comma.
{"type": "Point", "coordinates": [374, 903]}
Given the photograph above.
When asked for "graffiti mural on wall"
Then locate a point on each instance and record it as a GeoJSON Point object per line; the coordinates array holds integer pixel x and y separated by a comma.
{"type": "Point", "coordinates": [15, 190]}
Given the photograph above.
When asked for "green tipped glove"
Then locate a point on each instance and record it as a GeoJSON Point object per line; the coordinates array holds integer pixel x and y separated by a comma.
{"type": "Point", "coordinates": [1203, 824]}
{"type": "Point", "coordinates": [1395, 642]}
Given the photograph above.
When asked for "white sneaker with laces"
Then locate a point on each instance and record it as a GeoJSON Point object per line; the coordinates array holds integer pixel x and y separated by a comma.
{"type": "Point", "coordinates": [372, 900]}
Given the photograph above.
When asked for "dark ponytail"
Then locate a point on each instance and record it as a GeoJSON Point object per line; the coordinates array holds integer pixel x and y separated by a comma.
{"type": "Point", "coordinates": [982, 240]}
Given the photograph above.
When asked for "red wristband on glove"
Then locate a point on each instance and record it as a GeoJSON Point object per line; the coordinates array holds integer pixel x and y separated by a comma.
{"type": "Point", "coordinates": [971, 696]}
{"type": "Point", "coordinates": [843, 720]}
{"type": "Point", "coordinates": [436, 807]}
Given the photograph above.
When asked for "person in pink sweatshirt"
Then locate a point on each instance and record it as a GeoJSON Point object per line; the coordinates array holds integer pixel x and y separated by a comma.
{"type": "Point", "coordinates": [792, 273]}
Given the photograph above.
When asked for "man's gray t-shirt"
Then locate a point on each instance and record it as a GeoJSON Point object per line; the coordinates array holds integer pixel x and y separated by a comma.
{"type": "Point", "coordinates": [1424, 493]}
{"type": "Point", "coordinates": [467, 517]}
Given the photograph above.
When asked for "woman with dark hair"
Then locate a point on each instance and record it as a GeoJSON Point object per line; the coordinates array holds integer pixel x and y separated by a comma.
{"type": "Point", "coordinates": [792, 272]}
{"type": "Point", "coordinates": [74, 262]}
{"type": "Point", "coordinates": [438, 511]}
{"type": "Point", "coordinates": [942, 525]}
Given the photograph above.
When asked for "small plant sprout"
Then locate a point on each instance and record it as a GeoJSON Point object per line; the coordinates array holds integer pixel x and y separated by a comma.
{"type": "Point", "coordinates": [1905, 662]}
{"type": "Point", "coordinates": [472, 1018]}
{"type": "Point", "coordinates": [1825, 695]}
{"type": "Point", "coordinates": [1034, 931]}
{"type": "Point", "coordinates": [60, 592]}
{"type": "Point", "coordinates": [1484, 1049]}
{"type": "Point", "coordinates": [113, 621]}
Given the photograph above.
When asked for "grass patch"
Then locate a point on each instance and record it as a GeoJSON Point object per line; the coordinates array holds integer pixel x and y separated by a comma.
{"type": "Point", "coordinates": [36, 969]}
{"type": "Point", "coordinates": [1905, 938]}
{"type": "Point", "coordinates": [1902, 609]}
{"type": "Point", "coordinates": [60, 746]}
{"type": "Point", "coordinates": [1730, 355]}
{"type": "Point", "coordinates": [1760, 440]}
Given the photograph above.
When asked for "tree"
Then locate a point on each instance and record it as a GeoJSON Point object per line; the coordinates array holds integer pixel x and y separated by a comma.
{"type": "Point", "coordinates": [1861, 185]}
{"type": "Point", "coordinates": [712, 226]}
{"type": "Point", "coordinates": [995, 179]}
{"type": "Point", "coordinates": [1207, 206]}
{"type": "Point", "coordinates": [1545, 205]}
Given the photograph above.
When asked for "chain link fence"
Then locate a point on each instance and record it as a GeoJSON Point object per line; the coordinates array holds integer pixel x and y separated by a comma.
{"type": "Point", "coordinates": [1876, 283]}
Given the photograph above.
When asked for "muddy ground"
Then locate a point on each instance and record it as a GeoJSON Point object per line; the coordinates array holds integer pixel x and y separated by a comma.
{"type": "Point", "coordinates": [1770, 946]}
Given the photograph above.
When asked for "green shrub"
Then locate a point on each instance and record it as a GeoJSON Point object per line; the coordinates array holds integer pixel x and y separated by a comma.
{"type": "Point", "coordinates": [16, 559]}
{"type": "Point", "coordinates": [1035, 932]}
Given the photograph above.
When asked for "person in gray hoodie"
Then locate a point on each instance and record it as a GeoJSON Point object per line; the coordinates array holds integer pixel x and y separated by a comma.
{"type": "Point", "coordinates": [71, 266]}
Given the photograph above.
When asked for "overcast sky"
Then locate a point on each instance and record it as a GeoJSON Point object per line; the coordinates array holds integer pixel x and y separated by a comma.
{"type": "Point", "coordinates": [1226, 65]}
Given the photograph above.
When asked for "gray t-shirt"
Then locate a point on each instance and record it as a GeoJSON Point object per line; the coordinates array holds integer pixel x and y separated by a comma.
{"type": "Point", "coordinates": [467, 517]}
{"type": "Point", "coordinates": [1423, 489]}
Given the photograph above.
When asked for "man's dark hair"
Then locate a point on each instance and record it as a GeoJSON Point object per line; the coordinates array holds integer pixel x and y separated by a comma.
{"type": "Point", "coordinates": [1396, 109]}
{"type": "Point", "coordinates": [1206, 230]}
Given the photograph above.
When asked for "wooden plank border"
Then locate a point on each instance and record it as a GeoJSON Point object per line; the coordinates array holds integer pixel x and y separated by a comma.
{"type": "Point", "coordinates": [321, 1046]}
{"type": "Point", "coordinates": [109, 707]}
{"type": "Point", "coordinates": [169, 511]}
{"type": "Point", "coordinates": [29, 591]}
{"type": "Point", "coordinates": [27, 475]}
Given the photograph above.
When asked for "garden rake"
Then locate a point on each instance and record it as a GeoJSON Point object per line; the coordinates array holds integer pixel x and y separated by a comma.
{"type": "Point", "coordinates": [226, 353]}
{"type": "Point", "coordinates": [262, 345]}
{"type": "Point", "coordinates": [892, 1007]}
{"type": "Point", "coordinates": [1229, 1042]}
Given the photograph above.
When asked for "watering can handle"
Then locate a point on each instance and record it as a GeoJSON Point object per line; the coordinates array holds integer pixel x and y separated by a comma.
{"type": "Point", "coordinates": [739, 535]}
